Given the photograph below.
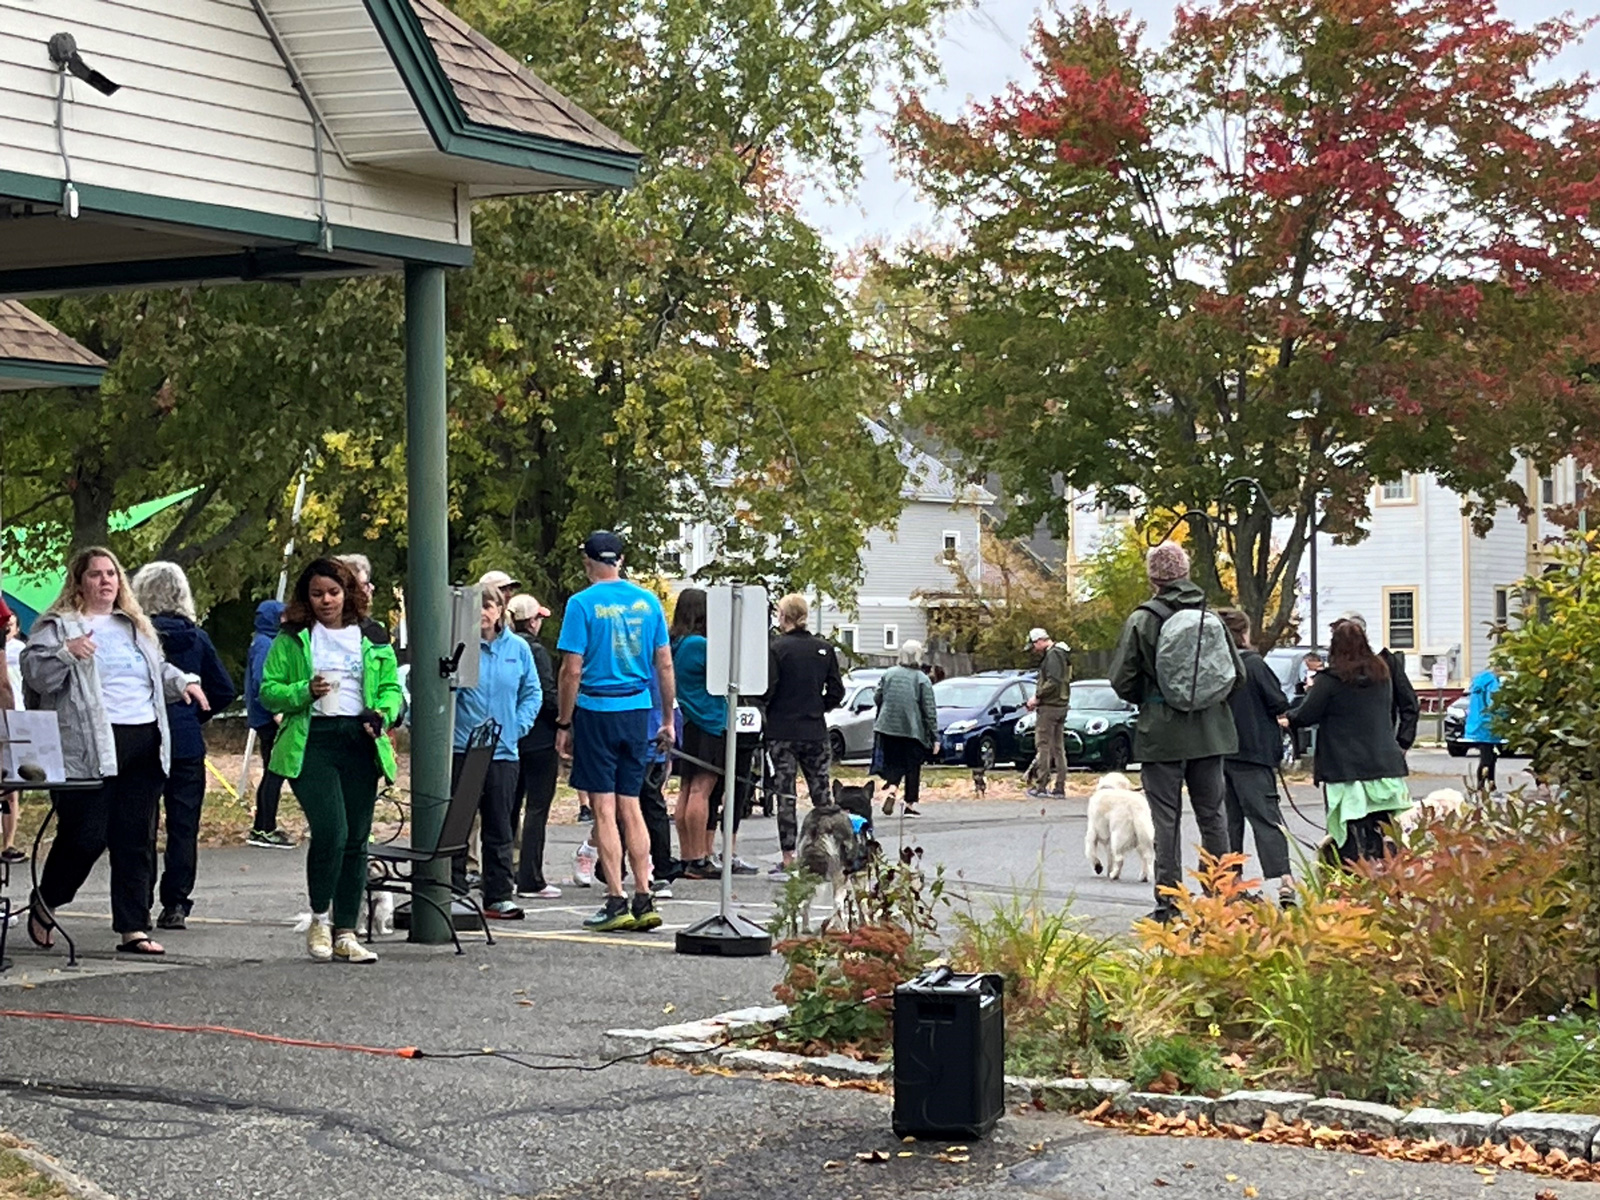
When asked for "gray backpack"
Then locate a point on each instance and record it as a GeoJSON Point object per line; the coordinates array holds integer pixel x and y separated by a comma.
{"type": "Point", "coordinates": [1194, 665]}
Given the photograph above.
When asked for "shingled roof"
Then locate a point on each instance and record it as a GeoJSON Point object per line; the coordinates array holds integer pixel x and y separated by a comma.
{"type": "Point", "coordinates": [34, 353]}
{"type": "Point", "coordinates": [497, 91]}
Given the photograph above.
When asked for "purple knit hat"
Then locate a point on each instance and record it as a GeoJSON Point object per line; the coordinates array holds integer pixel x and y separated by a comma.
{"type": "Point", "coordinates": [1166, 563]}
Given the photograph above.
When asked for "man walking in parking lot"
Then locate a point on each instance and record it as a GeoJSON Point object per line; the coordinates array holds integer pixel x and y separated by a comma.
{"type": "Point", "coordinates": [803, 684]}
{"type": "Point", "coordinates": [1049, 704]}
{"type": "Point", "coordinates": [1176, 661]}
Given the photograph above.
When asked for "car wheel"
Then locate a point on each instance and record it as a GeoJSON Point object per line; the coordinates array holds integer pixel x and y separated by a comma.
{"type": "Point", "coordinates": [1118, 754]}
{"type": "Point", "coordinates": [987, 752]}
{"type": "Point", "coordinates": [1457, 749]}
{"type": "Point", "coordinates": [836, 746]}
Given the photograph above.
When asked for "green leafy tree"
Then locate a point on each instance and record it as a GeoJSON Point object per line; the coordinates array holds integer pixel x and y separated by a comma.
{"type": "Point", "coordinates": [1309, 243]}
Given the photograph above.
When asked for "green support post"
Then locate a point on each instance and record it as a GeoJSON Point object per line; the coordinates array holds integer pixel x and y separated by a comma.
{"type": "Point", "coordinates": [427, 581]}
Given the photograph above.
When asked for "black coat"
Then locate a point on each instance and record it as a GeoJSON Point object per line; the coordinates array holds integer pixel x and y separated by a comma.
{"type": "Point", "coordinates": [1404, 708]}
{"type": "Point", "coordinates": [1355, 729]}
{"type": "Point", "coordinates": [542, 736]}
{"type": "Point", "coordinates": [803, 682]}
{"type": "Point", "coordinates": [1256, 708]}
{"type": "Point", "coordinates": [189, 649]}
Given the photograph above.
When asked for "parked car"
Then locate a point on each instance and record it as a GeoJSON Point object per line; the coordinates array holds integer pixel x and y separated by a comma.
{"type": "Point", "coordinates": [1099, 728]}
{"type": "Point", "coordinates": [1288, 663]}
{"type": "Point", "coordinates": [1455, 727]}
{"type": "Point", "coordinates": [978, 717]}
{"type": "Point", "coordinates": [850, 725]}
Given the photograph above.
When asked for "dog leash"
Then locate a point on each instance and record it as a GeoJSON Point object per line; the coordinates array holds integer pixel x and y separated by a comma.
{"type": "Point", "coordinates": [1288, 794]}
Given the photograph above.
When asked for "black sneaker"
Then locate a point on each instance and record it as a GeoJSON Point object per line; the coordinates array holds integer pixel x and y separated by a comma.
{"type": "Point", "coordinates": [701, 869]}
{"type": "Point", "coordinates": [613, 916]}
{"type": "Point", "coordinates": [172, 918]}
{"type": "Point", "coordinates": [645, 916]}
{"type": "Point", "coordinates": [1164, 915]}
{"type": "Point", "coordinates": [585, 814]}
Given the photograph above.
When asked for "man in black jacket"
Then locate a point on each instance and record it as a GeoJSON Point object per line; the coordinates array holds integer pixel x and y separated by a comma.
{"type": "Point", "coordinates": [803, 683]}
{"type": "Point", "coordinates": [1405, 709]}
{"type": "Point", "coordinates": [537, 750]}
{"type": "Point", "coordinates": [1251, 774]}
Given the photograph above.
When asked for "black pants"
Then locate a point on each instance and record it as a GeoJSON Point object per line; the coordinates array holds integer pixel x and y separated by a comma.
{"type": "Point", "coordinates": [1488, 760]}
{"type": "Point", "coordinates": [745, 749]}
{"type": "Point", "coordinates": [118, 817]}
{"type": "Point", "coordinates": [1252, 796]}
{"type": "Point", "coordinates": [1364, 838]}
{"type": "Point", "coordinates": [902, 760]}
{"type": "Point", "coordinates": [537, 786]}
{"type": "Point", "coordinates": [657, 821]}
{"type": "Point", "coordinates": [184, 793]}
{"type": "Point", "coordinates": [270, 790]}
{"type": "Point", "coordinates": [494, 815]}
{"type": "Point", "coordinates": [1163, 787]}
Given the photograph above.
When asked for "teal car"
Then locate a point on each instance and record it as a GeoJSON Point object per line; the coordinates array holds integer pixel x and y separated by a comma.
{"type": "Point", "coordinates": [1099, 728]}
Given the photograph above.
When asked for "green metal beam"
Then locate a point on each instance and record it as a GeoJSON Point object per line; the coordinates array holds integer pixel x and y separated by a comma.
{"type": "Point", "coordinates": [17, 374]}
{"type": "Point", "coordinates": [428, 582]}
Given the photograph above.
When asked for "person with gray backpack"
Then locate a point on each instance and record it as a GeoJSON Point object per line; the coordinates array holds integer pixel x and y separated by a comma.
{"type": "Point", "coordinates": [1177, 663]}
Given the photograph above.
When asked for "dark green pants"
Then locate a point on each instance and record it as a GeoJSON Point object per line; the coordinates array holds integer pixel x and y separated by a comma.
{"type": "Point", "coordinates": [337, 788]}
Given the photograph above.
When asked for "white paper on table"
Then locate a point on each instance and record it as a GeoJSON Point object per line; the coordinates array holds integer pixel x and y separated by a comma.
{"type": "Point", "coordinates": [32, 739]}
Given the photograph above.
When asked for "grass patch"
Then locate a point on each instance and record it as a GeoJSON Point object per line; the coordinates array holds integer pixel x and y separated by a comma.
{"type": "Point", "coordinates": [20, 1181]}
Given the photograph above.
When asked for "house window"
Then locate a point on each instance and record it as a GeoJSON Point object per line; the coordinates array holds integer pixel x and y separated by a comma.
{"type": "Point", "coordinates": [891, 637]}
{"type": "Point", "coordinates": [1547, 488]}
{"type": "Point", "coordinates": [1400, 618]}
{"type": "Point", "coordinates": [1398, 491]}
{"type": "Point", "coordinates": [1502, 605]}
{"type": "Point", "coordinates": [846, 636]}
{"type": "Point", "coordinates": [952, 542]}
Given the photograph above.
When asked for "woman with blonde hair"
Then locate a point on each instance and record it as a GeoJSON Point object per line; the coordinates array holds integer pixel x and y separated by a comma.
{"type": "Point", "coordinates": [162, 590]}
{"type": "Point", "coordinates": [95, 660]}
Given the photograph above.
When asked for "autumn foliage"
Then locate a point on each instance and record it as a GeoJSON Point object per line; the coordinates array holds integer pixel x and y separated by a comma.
{"type": "Point", "coordinates": [1316, 243]}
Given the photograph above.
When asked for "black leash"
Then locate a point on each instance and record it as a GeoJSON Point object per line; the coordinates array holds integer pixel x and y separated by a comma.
{"type": "Point", "coordinates": [1288, 794]}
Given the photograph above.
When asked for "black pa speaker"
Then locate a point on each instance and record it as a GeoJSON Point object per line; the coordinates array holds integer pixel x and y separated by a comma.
{"type": "Point", "coordinates": [949, 1055]}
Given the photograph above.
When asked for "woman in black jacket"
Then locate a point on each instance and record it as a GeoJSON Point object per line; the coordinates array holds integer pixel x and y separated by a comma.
{"type": "Point", "coordinates": [1252, 773]}
{"type": "Point", "coordinates": [1359, 762]}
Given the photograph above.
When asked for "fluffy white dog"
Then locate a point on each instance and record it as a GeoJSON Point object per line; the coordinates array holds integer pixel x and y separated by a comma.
{"type": "Point", "coordinates": [1441, 802]}
{"type": "Point", "coordinates": [1119, 822]}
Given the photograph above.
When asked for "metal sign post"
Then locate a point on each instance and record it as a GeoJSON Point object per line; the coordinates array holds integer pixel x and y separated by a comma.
{"type": "Point", "coordinates": [733, 658]}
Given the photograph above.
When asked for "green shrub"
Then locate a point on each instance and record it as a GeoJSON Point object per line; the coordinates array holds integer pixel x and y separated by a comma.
{"type": "Point", "coordinates": [1180, 1063]}
{"type": "Point", "coordinates": [1548, 1063]}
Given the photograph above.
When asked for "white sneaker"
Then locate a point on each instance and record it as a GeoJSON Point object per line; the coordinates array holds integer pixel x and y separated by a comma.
{"type": "Point", "coordinates": [348, 948]}
{"type": "Point", "coordinates": [550, 892]}
{"type": "Point", "coordinates": [583, 862]}
{"type": "Point", "coordinates": [319, 939]}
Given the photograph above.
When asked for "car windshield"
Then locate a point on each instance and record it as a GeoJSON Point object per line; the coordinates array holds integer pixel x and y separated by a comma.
{"type": "Point", "coordinates": [963, 693]}
{"type": "Point", "coordinates": [1285, 665]}
{"type": "Point", "coordinates": [1095, 696]}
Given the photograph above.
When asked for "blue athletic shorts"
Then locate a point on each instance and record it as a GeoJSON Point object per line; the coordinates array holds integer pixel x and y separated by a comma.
{"type": "Point", "coordinates": [608, 750]}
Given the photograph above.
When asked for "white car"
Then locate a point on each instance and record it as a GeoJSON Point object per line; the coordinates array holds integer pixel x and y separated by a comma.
{"type": "Point", "coordinates": [850, 725]}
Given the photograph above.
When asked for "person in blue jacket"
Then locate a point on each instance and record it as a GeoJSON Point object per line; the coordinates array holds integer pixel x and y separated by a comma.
{"type": "Point", "coordinates": [162, 590]}
{"type": "Point", "coordinates": [508, 693]}
{"type": "Point", "coordinates": [1480, 726]}
{"type": "Point", "coordinates": [264, 830]}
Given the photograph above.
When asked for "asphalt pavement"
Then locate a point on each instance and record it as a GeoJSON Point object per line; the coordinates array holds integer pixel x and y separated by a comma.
{"type": "Point", "coordinates": [151, 1113]}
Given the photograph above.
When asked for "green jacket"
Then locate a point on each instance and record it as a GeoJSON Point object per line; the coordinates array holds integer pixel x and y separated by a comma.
{"type": "Point", "coordinates": [906, 706]}
{"type": "Point", "coordinates": [1055, 677]}
{"type": "Point", "coordinates": [286, 689]}
{"type": "Point", "coordinates": [1164, 734]}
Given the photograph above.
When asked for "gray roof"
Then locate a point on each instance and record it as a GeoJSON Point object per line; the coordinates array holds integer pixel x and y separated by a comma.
{"type": "Point", "coordinates": [926, 477]}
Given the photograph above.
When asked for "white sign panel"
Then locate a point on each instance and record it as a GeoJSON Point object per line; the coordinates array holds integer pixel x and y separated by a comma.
{"type": "Point", "coordinates": [1441, 674]}
{"type": "Point", "coordinates": [33, 748]}
{"type": "Point", "coordinates": [754, 630]}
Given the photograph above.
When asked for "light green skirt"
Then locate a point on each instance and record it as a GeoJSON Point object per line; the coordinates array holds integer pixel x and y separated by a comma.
{"type": "Point", "coordinates": [1351, 801]}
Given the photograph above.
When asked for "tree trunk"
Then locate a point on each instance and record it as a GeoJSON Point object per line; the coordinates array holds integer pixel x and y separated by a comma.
{"type": "Point", "coordinates": [93, 494]}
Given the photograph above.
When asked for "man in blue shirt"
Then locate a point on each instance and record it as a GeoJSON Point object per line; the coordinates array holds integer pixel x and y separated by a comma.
{"type": "Point", "coordinates": [613, 638]}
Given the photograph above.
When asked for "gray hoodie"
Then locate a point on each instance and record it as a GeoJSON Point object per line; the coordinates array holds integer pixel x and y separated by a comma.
{"type": "Point", "coordinates": [57, 681]}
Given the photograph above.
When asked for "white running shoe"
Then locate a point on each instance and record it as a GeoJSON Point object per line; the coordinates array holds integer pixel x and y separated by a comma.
{"type": "Point", "coordinates": [319, 938]}
{"type": "Point", "coordinates": [348, 948]}
{"type": "Point", "coordinates": [583, 862]}
{"type": "Point", "coordinates": [550, 892]}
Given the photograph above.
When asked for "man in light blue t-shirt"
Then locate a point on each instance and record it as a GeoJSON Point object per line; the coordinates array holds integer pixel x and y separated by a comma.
{"type": "Point", "coordinates": [613, 640]}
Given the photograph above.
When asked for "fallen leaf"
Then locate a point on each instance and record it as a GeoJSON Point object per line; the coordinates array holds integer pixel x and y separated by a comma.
{"type": "Point", "coordinates": [1160, 1182]}
{"type": "Point", "coordinates": [1250, 1192]}
{"type": "Point", "coordinates": [1547, 1194]}
{"type": "Point", "coordinates": [873, 1156]}
{"type": "Point", "coordinates": [832, 1164]}
{"type": "Point", "coordinates": [905, 1154]}
{"type": "Point", "coordinates": [1505, 1109]}
{"type": "Point", "coordinates": [1035, 1147]}
{"type": "Point", "coordinates": [1230, 1179]}
{"type": "Point", "coordinates": [1484, 1170]}
{"type": "Point", "coordinates": [525, 1003]}
{"type": "Point", "coordinates": [669, 1008]}
{"type": "Point", "coordinates": [1098, 1111]}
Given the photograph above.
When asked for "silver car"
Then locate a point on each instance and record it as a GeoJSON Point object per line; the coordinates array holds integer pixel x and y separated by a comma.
{"type": "Point", "coordinates": [850, 725]}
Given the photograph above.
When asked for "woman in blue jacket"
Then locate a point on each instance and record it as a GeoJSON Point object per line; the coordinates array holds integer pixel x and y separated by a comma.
{"type": "Point", "coordinates": [1480, 726]}
{"type": "Point", "coordinates": [509, 694]}
{"type": "Point", "coordinates": [264, 831]}
{"type": "Point", "coordinates": [162, 590]}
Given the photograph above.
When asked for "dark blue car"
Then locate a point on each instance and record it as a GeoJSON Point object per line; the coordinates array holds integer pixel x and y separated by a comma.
{"type": "Point", "coordinates": [978, 717]}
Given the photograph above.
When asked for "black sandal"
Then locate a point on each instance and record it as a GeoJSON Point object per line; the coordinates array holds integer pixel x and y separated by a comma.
{"type": "Point", "coordinates": [139, 946]}
{"type": "Point", "coordinates": [37, 918]}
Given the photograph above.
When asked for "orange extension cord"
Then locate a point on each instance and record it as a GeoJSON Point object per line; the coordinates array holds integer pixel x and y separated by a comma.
{"type": "Point", "coordinates": [228, 1031]}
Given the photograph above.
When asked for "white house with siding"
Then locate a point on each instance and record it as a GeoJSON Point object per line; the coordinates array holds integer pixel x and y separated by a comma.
{"type": "Point", "coordinates": [917, 564]}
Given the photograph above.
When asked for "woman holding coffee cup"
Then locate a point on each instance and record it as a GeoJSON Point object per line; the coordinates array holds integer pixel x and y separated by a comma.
{"type": "Point", "coordinates": [338, 693]}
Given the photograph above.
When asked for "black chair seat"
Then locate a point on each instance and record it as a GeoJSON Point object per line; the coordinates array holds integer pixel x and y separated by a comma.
{"type": "Point", "coordinates": [397, 852]}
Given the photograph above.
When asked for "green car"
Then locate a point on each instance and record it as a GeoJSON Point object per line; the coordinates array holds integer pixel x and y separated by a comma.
{"type": "Point", "coordinates": [1099, 728]}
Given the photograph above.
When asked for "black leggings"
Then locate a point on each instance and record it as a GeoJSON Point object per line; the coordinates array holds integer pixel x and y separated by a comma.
{"type": "Point", "coordinates": [270, 790]}
{"type": "Point", "coordinates": [902, 759]}
{"type": "Point", "coordinates": [1488, 760]}
{"type": "Point", "coordinates": [118, 817]}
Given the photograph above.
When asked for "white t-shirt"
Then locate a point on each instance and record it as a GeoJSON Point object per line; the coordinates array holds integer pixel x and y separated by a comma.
{"type": "Point", "coordinates": [125, 684]}
{"type": "Point", "coordinates": [14, 668]}
{"type": "Point", "coordinates": [336, 656]}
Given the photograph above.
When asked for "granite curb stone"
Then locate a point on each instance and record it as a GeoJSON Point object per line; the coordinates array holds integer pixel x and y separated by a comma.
{"type": "Point", "coordinates": [1466, 1129]}
{"type": "Point", "coordinates": [1162, 1104]}
{"type": "Point", "coordinates": [1081, 1093]}
{"type": "Point", "coordinates": [1356, 1115]}
{"type": "Point", "coordinates": [1250, 1109]}
{"type": "Point", "coordinates": [1572, 1133]}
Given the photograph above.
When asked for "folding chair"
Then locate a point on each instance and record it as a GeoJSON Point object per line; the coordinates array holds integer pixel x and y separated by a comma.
{"type": "Point", "coordinates": [394, 863]}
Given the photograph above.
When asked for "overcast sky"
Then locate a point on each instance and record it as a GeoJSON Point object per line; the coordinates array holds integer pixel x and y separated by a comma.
{"type": "Point", "coordinates": [982, 51]}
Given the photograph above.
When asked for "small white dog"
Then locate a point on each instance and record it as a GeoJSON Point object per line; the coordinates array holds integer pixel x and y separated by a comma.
{"type": "Point", "coordinates": [1442, 802]}
{"type": "Point", "coordinates": [382, 913]}
{"type": "Point", "coordinates": [1119, 822]}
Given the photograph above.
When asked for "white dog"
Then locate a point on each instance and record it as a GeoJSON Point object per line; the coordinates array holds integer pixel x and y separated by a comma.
{"type": "Point", "coordinates": [1119, 821]}
{"type": "Point", "coordinates": [1443, 802]}
{"type": "Point", "coordinates": [383, 914]}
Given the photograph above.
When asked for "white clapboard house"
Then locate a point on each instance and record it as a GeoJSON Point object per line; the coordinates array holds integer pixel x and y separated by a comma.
{"type": "Point", "coordinates": [920, 562]}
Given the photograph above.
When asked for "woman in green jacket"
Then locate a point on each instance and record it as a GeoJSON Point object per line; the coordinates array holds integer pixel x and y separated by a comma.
{"type": "Point", "coordinates": [338, 693]}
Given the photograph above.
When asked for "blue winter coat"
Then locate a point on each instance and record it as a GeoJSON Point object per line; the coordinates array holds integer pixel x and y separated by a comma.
{"type": "Point", "coordinates": [1480, 710]}
{"type": "Point", "coordinates": [189, 649]}
{"type": "Point", "coordinates": [269, 620]}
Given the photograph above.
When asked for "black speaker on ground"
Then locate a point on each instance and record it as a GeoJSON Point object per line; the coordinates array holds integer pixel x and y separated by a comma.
{"type": "Point", "coordinates": [949, 1055]}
